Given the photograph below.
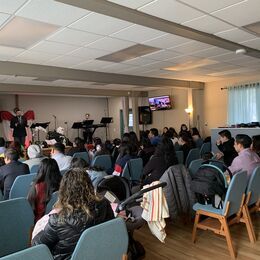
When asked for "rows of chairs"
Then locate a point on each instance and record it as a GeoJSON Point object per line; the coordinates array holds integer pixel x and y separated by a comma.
{"type": "Point", "coordinates": [242, 198]}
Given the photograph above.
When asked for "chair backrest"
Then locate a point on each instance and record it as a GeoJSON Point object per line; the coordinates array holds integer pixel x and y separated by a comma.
{"type": "Point", "coordinates": [254, 186]}
{"type": "Point", "coordinates": [39, 252]}
{"type": "Point", "coordinates": [199, 143]}
{"type": "Point", "coordinates": [52, 201]}
{"type": "Point", "coordinates": [35, 168]}
{"type": "Point", "coordinates": [83, 155]}
{"type": "Point", "coordinates": [103, 161]}
{"type": "Point", "coordinates": [16, 221]}
{"type": "Point", "coordinates": [193, 154]}
{"type": "Point", "coordinates": [235, 192]}
{"type": "Point", "coordinates": [205, 148]}
{"type": "Point", "coordinates": [133, 170]}
{"type": "Point", "coordinates": [180, 156]}
{"type": "Point", "coordinates": [194, 166]}
{"type": "Point", "coordinates": [21, 186]}
{"type": "Point", "coordinates": [96, 243]}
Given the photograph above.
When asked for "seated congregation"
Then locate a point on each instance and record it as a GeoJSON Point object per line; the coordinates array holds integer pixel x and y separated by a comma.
{"type": "Point", "coordinates": [69, 191]}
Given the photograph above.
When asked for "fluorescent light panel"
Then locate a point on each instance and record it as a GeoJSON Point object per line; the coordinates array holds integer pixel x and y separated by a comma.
{"type": "Point", "coordinates": [191, 65]}
{"type": "Point", "coordinates": [129, 53]}
{"type": "Point", "coordinates": [23, 33]}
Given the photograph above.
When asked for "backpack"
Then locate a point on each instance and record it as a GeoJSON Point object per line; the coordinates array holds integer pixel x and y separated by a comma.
{"type": "Point", "coordinates": [209, 183]}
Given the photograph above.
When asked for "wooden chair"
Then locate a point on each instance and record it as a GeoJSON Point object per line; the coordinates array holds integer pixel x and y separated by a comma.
{"type": "Point", "coordinates": [219, 220]}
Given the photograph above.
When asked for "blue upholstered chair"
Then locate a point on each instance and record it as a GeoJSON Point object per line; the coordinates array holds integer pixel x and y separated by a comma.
{"type": "Point", "coordinates": [21, 186]}
{"type": "Point", "coordinates": [54, 198]}
{"type": "Point", "coordinates": [83, 155]}
{"type": "Point", "coordinates": [96, 243]}
{"type": "Point", "coordinates": [39, 252]}
{"type": "Point", "coordinates": [218, 220]}
{"type": "Point", "coordinates": [194, 166]}
{"type": "Point", "coordinates": [193, 154]}
{"type": "Point", "coordinates": [205, 148]}
{"type": "Point", "coordinates": [180, 157]}
{"type": "Point", "coordinates": [103, 161]}
{"type": "Point", "coordinates": [35, 168]}
{"type": "Point", "coordinates": [16, 222]}
{"type": "Point", "coordinates": [199, 143]}
{"type": "Point", "coordinates": [133, 170]}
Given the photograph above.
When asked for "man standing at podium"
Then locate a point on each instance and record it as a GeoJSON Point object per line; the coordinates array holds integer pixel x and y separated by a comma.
{"type": "Point", "coordinates": [19, 124]}
{"type": "Point", "coordinates": [87, 134]}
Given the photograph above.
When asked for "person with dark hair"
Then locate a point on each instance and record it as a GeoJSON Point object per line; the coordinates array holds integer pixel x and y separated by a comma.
{"type": "Point", "coordinates": [126, 153]}
{"type": "Point", "coordinates": [147, 150]}
{"type": "Point", "coordinates": [186, 144]}
{"type": "Point", "coordinates": [247, 160]}
{"type": "Point", "coordinates": [11, 170]}
{"type": "Point", "coordinates": [154, 136]}
{"type": "Point", "coordinates": [184, 130]}
{"type": "Point", "coordinates": [19, 124]}
{"type": "Point", "coordinates": [45, 183]}
{"type": "Point", "coordinates": [255, 146]}
{"type": "Point", "coordinates": [78, 147]}
{"type": "Point", "coordinates": [63, 160]}
{"type": "Point", "coordinates": [171, 133]}
{"type": "Point", "coordinates": [134, 142]}
{"type": "Point", "coordinates": [78, 208]}
{"type": "Point", "coordinates": [165, 130]}
{"type": "Point", "coordinates": [18, 147]}
{"type": "Point", "coordinates": [78, 162]}
{"type": "Point", "coordinates": [198, 141]}
{"type": "Point", "coordinates": [226, 146]}
{"type": "Point", "coordinates": [163, 158]}
{"type": "Point", "coordinates": [2, 145]}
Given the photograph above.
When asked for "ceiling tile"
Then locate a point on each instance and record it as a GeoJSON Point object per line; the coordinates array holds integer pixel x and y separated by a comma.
{"type": "Point", "coordinates": [162, 55]}
{"type": "Point", "coordinates": [110, 44]}
{"type": "Point", "coordinates": [137, 33]}
{"type": "Point", "coordinates": [214, 51]}
{"type": "Point", "coordinates": [139, 61]}
{"type": "Point", "coordinates": [134, 4]}
{"type": "Point", "coordinates": [233, 13]}
{"type": "Point", "coordinates": [88, 53]}
{"type": "Point", "coordinates": [116, 67]}
{"type": "Point", "coordinates": [9, 52]}
{"type": "Point", "coordinates": [190, 47]}
{"type": "Point", "coordinates": [167, 41]}
{"type": "Point", "coordinates": [53, 47]}
{"type": "Point", "coordinates": [3, 17]}
{"type": "Point", "coordinates": [210, 6]}
{"type": "Point", "coordinates": [75, 37]}
{"type": "Point", "coordinates": [236, 35]}
{"type": "Point", "coordinates": [65, 61]}
{"type": "Point", "coordinates": [10, 6]}
{"type": "Point", "coordinates": [208, 24]}
{"type": "Point", "coordinates": [100, 24]}
{"type": "Point", "coordinates": [171, 10]}
{"type": "Point", "coordinates": [34, 56]}
{"type": "Point", "coordinates": [226, 57]}
{"type": "Point", "coordinates": [159, 65]}
{"type": "Point", "coordinates": [255, 43]}
{"type": "Point", "coordinates": [50, 11]}
{"type": "Point", "coordinates": [183, 59]}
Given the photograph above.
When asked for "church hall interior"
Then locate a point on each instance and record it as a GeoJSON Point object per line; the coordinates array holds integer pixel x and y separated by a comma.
{"type": "Point", "coordinates": [139, 64]}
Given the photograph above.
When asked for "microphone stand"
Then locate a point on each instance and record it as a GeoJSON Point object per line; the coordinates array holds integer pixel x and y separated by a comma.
{"type": "Point", "coordinates": [55, 122]}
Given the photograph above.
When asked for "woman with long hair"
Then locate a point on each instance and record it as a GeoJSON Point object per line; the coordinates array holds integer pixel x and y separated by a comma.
{"type": "Point", "coordinates": [78, 208]}
{"type": "Point", "coordinates": [164, 157]}
{"type": "Point", "coordinates": [46, 182]}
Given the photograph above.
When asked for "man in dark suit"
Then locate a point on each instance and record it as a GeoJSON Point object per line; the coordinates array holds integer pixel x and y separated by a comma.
{"type": "Point", "coordinates": [11, 170]}
{"type": "Point", "coordinates": [19, 124]}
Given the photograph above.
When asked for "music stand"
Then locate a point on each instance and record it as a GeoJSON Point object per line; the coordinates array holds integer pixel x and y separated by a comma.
{"type": "Point", "coordinates": [77, 125]}
{"type": "Point", "coordinates": [43, 125]}
{"type": "Point", "coordinates": [106, 121]}
{"type": "Point", "coordinates": [87, 123]}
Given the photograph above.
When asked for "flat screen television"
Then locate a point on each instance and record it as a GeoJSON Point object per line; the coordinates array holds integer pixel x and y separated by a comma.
{"type": "Point", "coordinates": [160, 103]}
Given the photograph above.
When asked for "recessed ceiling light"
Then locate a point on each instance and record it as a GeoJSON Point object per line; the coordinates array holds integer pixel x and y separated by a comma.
{"type": "Point", "coordinates": [129, 53]}
{"type": "Point", "coordinates": [191, 65]}
{"type": "Point", "coordinates": [23, 33]}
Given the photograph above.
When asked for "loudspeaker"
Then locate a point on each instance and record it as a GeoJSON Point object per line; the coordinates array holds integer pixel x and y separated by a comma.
{"type": "Point", "coordinates": [145, 115]}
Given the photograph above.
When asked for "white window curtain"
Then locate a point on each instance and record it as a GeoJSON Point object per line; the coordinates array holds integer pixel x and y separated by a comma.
{"type": "Point", "coordinates": [244, 103]}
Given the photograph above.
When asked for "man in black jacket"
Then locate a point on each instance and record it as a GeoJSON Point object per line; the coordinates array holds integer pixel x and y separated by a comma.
{"type": "Point", "coordinates": [11, 170]}
{"type": "Point", "coordinates": [226, 145]}
{"type": "Point", "coordinates": [19, 124]}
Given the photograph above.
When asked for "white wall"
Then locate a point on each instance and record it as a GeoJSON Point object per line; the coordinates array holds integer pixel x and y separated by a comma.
{"type": "Point", "coordinates": [66, 109]}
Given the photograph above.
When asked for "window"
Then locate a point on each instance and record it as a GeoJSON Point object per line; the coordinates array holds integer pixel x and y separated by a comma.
{"type": "Point", "coordinates": [244, 104]}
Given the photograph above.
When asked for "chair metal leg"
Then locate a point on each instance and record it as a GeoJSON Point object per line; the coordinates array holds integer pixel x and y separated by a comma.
{"type": "Point", "coordinates": [249, 225]}
{"type": "Point", "coordinates": [228, 237]}
{"type": "Point", "coordinates": [195, 227]}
